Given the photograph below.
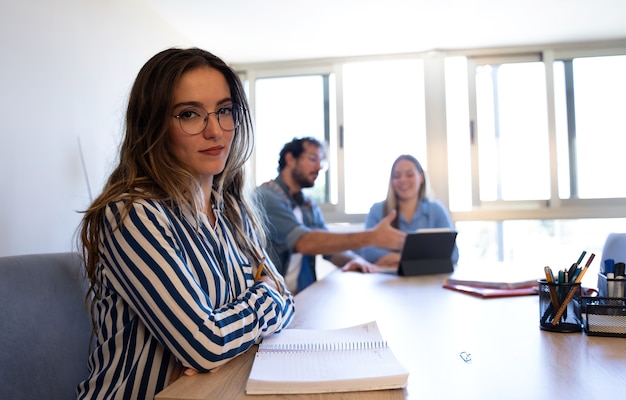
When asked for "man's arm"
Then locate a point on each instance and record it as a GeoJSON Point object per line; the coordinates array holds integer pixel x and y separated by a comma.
{"type": "Point", "coordinates": [324, 242]}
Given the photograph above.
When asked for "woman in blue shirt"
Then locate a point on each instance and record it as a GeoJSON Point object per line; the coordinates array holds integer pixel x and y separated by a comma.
{"type": "Point", "coordinates": [406, 195]}
{"type": "Point", "coordinates": [172, 247]}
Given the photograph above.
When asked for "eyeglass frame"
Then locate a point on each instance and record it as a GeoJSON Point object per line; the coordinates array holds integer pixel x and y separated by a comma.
{"type": "Point", "coordinates": [316, 159]}
{"type": "Point", "coordinates": [233, 106]}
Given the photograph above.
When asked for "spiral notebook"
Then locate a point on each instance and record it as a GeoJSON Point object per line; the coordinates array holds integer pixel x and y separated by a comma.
{"type": "Point", "coordinates": [297, 361]}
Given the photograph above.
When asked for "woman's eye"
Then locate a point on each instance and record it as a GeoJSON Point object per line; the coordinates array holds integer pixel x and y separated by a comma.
{"type": "Point", "coordinates": [189, 114]}
{"type": "Point", "coordinates": [225, 111]}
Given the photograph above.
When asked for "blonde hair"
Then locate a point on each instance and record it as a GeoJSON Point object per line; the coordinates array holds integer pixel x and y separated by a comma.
{"type": "Point", "coordinates": [391, 202]}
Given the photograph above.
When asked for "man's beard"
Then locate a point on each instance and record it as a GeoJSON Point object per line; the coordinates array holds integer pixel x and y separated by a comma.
{"type": "Point", "coordinates": [302, 180]}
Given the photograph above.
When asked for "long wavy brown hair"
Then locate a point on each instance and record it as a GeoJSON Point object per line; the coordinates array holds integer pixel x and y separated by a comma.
{"type": "Point", "coordinates": [147, 169]}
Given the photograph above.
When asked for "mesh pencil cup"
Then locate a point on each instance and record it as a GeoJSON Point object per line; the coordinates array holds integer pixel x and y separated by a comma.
{"type": "Point", "coordinates": [560, 306]}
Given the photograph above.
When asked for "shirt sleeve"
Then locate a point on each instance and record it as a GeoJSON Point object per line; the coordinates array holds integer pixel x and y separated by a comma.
{"type": "Point", "coordinates": [284, 227]}
{"type": "Point", "coordinates": [192, 297]}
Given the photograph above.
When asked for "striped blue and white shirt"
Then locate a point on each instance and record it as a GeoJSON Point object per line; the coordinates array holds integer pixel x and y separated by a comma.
{"type": "Point", "coordinates": [173, 291]}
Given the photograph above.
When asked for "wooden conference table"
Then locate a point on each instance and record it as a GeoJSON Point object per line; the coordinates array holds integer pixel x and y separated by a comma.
{"type": "Point", "coordinates": [428, 328]}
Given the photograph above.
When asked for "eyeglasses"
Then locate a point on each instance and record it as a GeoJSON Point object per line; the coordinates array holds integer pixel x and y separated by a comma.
{"type": "Point", "coordinates": [194, 120]}
{"type": "Point", "coordinates": [315, 159]}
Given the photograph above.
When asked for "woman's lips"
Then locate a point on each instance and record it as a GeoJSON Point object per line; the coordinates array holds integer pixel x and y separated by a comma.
{"type": "Point", "coordinates": [213, 151]}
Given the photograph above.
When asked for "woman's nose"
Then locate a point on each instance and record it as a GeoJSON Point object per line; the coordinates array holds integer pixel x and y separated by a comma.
{"type": "Point", "coordinates": [213, 127]}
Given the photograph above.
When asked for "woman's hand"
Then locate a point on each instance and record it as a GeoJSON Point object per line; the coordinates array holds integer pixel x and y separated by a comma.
{"type": "Point", "coordinates": [389, 260]}
{"type": "Point", "coordinates": [179, 371]}
{"type": "Point", "coordinates": [360, 264]}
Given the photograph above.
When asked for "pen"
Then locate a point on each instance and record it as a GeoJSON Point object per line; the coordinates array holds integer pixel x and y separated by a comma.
{"type": "Point", "coordinates": [560, 280]}
{"type": "Point", "coordinates": [580, 259]}
{"type": "Point", "coordinates": [554, 301]}
{"type": "Point", "coordinates": [571, 273]}
{"type": "Point", "coordinates": [259, 271]}
{"type": "Point", "coordinates": [582, 272]}
{"type": "Point", "coordinates": [572, 291]}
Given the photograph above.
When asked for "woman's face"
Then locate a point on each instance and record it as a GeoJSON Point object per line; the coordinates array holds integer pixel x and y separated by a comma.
{"type": "Point", "coordinates": [204, 154]}
{"type": "Point", "coordinates": [406, 180]}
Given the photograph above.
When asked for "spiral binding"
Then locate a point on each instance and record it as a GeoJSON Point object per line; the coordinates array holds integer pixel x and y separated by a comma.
{"type": "Point", "coordinates": [333, 346]}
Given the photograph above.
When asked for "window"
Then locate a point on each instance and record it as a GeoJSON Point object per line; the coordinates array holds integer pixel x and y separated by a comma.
{"type": "Point", "coordinates": [512, 132]}
{"type": "Point", "coordinates": [383, 117]}
{"type": "Point", "coordinates": [591, 129]}
{"type": "Point", "coordinates": [288, 107]}
{"type": "Point", "coordinates": [533, 140]}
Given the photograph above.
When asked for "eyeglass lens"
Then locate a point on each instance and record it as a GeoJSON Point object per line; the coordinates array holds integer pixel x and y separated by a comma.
{"type": "Point", "coordinates": [194, 120]}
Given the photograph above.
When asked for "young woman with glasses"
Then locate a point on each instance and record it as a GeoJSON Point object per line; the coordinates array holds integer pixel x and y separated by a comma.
{"type": "Point", "coordinates": [173, 247]}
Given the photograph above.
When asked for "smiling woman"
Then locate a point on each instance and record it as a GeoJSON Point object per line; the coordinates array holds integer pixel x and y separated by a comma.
{"type": "Point", "coordinates": [407, 196]}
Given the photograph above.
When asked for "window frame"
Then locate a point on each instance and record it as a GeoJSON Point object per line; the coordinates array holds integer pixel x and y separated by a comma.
{"type": "Point", "coordinates": [436, 132]}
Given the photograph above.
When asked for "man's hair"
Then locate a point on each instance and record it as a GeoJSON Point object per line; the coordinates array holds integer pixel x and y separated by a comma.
{"type": "Point", "coordinates": [296, 148]}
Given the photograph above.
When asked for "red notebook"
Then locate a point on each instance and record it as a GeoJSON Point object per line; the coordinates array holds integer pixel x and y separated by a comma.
{"type": "Point", "coordinates": [489, 292]}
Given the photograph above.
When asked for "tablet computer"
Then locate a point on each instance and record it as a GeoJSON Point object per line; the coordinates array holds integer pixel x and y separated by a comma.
{"type": "Point", "coordinates": [427, 252]}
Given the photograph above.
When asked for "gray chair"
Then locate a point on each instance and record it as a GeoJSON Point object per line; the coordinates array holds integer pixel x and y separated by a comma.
{"type": "Point", "coordinates": [45, 327]}
{"type": "Point", "coordinates": [614, 247]}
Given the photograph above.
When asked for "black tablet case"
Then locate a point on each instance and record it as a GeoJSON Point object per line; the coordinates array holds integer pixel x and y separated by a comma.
{"type": "Point", "coordinates": [427, 253]}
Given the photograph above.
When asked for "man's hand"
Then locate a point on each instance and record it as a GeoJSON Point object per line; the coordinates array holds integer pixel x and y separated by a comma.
{"type": "Point", "coordinates": [387, 236]}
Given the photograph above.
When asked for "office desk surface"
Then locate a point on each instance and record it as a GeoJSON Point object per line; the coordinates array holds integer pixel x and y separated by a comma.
{"type": "Point", "coordinates": [428, 327]}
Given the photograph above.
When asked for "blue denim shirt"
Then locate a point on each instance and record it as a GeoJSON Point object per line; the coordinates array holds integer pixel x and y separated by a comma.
{"type": "Point", "coordinates": [284, 229]}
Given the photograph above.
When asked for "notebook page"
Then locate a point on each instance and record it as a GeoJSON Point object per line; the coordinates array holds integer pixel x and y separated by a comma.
{"type": "Point", "coordinates": [325, 366]}
{"type": "Point", "coordinates": [355, 337]}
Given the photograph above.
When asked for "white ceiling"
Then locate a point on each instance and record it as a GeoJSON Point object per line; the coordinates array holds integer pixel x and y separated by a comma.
{"type": "Point", "coordinates": [243, 31]}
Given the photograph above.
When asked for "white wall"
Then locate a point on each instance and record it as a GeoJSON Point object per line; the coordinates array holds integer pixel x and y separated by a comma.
{"type": "Point", "coordinates": [65, 74]}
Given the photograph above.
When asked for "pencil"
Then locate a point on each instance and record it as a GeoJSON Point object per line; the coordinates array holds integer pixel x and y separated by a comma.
{"type": "Point", "coordinates": [550, 280]}
{"type": "Point", "coordinates": [554, 300]}
{"type": "Point", "coordinates": [259, 271]}
{"type": "Point", "coordinates": [572, 291]}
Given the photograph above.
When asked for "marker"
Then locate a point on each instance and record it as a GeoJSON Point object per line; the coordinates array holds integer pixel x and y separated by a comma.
{"type": "Point", "coordinates": [619, 275]}
{"type": "Point", "coordinates": [609, 266]}
{"type": "Point", "coordinates": [572, 291]}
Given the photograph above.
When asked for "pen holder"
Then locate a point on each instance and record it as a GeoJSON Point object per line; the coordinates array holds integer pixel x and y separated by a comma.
{"type": "Point", "coordinates": [604, 316]}
{"type": "Point", "coordinates": [611, 287]}
{"type": "Point", "coordinates": [560, 306]}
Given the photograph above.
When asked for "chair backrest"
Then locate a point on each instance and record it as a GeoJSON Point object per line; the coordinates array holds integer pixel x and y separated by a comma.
{"type": "Point", "coordinates": [45, 327]}
{"type": "Point", "coordinates": [614, 247]}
